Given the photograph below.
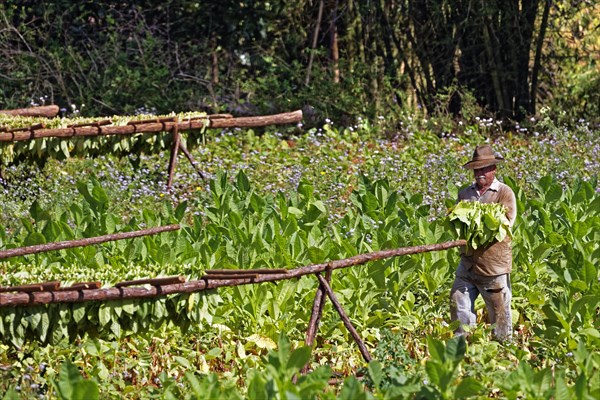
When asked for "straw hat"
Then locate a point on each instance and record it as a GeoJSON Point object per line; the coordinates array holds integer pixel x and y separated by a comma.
{"type": "Point", "coordinates": [483, 156]}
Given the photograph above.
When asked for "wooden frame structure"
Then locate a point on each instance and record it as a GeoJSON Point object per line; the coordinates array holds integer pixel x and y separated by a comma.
{"type": "Point", "coordinates": [51, 292]}
{"type": "Point", "coordinates": [156, 125]}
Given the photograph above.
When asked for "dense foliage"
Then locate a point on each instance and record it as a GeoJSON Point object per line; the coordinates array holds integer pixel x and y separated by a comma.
{"type": "Point", "coordinates": [273, 201]}
{"type": "Point", "coordinates": [334, 58]}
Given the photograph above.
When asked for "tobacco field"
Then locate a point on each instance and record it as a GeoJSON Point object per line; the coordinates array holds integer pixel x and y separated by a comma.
{"type": "Point", "coordinates": [284, 198]}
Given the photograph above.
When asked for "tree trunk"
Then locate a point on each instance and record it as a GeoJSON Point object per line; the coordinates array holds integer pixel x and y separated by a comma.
{"type": "Point", "coordinates": [214, 57]}
{"type": "Point", "coordinates": [314, 42]}
{"type": "Point", "coordinates": [334, 49]}
{"type": "Point", "coordinates": [538, 55]}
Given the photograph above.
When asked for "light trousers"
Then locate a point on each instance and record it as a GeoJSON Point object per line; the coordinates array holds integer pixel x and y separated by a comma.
{"type": "Point", "coordinates": [496, 293]}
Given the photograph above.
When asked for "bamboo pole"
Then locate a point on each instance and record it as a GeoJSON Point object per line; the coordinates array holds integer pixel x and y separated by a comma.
{"type": "Point", "coordinates": [154, 127]}
{"type": "Point", "coordinates": [40, 248]}
{"type": "Point", "coordinates": [40, 111]}
{"type": "Point", "coordinates": [21, 299]}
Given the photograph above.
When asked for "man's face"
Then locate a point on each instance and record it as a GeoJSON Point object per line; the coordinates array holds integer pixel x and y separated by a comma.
{"type": "Point", "coordinates": [485, 176]}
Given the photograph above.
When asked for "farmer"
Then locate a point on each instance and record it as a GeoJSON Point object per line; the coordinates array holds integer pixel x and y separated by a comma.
{"type": "Point", "coordinates": [486, 270]}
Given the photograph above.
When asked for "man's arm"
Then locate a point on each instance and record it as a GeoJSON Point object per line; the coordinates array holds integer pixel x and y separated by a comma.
{"type": "Point", "coordinates": [509, 201]}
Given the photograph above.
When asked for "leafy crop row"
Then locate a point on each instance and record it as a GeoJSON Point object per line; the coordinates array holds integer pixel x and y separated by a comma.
{"type": "Point", "coordinates": [556, 246]}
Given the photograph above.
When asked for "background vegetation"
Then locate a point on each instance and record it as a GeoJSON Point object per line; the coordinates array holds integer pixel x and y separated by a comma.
{"type": "Point", "coordinates": [333, 58]}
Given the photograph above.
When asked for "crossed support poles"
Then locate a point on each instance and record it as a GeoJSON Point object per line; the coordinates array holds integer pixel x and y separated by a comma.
{"type": "Point", "coordinates": [176, 146]}
{"type": "Point", "coordinates": [317, 311]}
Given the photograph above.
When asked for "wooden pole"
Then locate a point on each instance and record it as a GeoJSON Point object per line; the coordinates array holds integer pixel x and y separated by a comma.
{"type": "Point", "coordinates": [345, 319]}
{"type": "Point", "coordinates": [174, 149]}
{"type": "Point", "coordinates": [33, 287]}
{"type": "Point", "coordinates": [167, 280]}
{"type": "Point", "coordinates": [40, 248]}
{"type": "Point", "coordinates": [246, 275]}
{"type": "Point", "coordinates": [191, 160]}
{"type": "Point", "coordinates": [82, 285]}
{"type": "Point", "coordinates": [317, 311]}
{"type": "Point", "coordinates": [154, 127]}
{"type": "Point", "coordinates": [21, 299]}
{"type": "Point", "coordinates": [41, 111]}
{"type": "Point", "coordinates": [245, 271]}
{"type": "Point", "coordinates": [315, 316]}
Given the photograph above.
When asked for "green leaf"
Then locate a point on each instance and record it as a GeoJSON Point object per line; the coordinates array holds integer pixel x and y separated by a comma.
{"type": "Point", "coordinates": [257, 388]}
{"type": "Point", "coordinates": [353, 389]}
{"type": "Point", "coordinates": [104, 315]}
{"type": "Point", "coordinates": [479, 223]}
{"type": "Point", "coordinates": [180, 210]}
{"type": "Point", "coordinates": [11, 394]}
{"type": "Point", "coordinates": [295, 211]}
{"type": "Point", "coordinates": [435, 371]}
{"type": "Point", "coordinates": [561, 390]}
{"type": "Point", "coordinates": [306, 190]}
{"type": "Point", "coordinates": [468, 387]}
{"type": "Point", "coordinates": [554, 193]}
{"type": "Point", "coordinates": [99, 195]}
{"type": "Point", "coordinates": [242, 182]}
{"type": "Point", "coordinates": [436, 349]}
{"type": "Point", "coordinates": [43, 326]}
{"type": "Point", "coordinates": [34, 238]}
{"type": "Point", "coordinates": [86, 390]}
{"type": "Point", "coordinates": [79, 312]}
{"type": "Point", "coordinates": [299, 358]}
{"type": "Point", "coordinates": [316, 255]}
{"type": "Point", "coordinates": [375, 372]}
{"type": "Point", "coordinates": [64, 147]}
{"type": "Point", "coordinates": [37, 213]}
{"type": "Point", "coordinates": [182, 361]}
{"type": "Point", "coordinates": [71, 385]}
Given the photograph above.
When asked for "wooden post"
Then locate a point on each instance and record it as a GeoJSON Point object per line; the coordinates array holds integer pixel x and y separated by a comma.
{"type": "Point", "coordinates": [345, 319]}
{"type": "Point", "coordinates": [174, 149]}
{"type": "Point", "coordinates": [317, 311]}
{"type": "Point", "coordinates": [315, 316]}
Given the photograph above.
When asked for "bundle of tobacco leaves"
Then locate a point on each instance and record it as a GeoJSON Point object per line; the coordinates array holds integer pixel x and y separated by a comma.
{"type": "Point", "coordinates": [479, 224]}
